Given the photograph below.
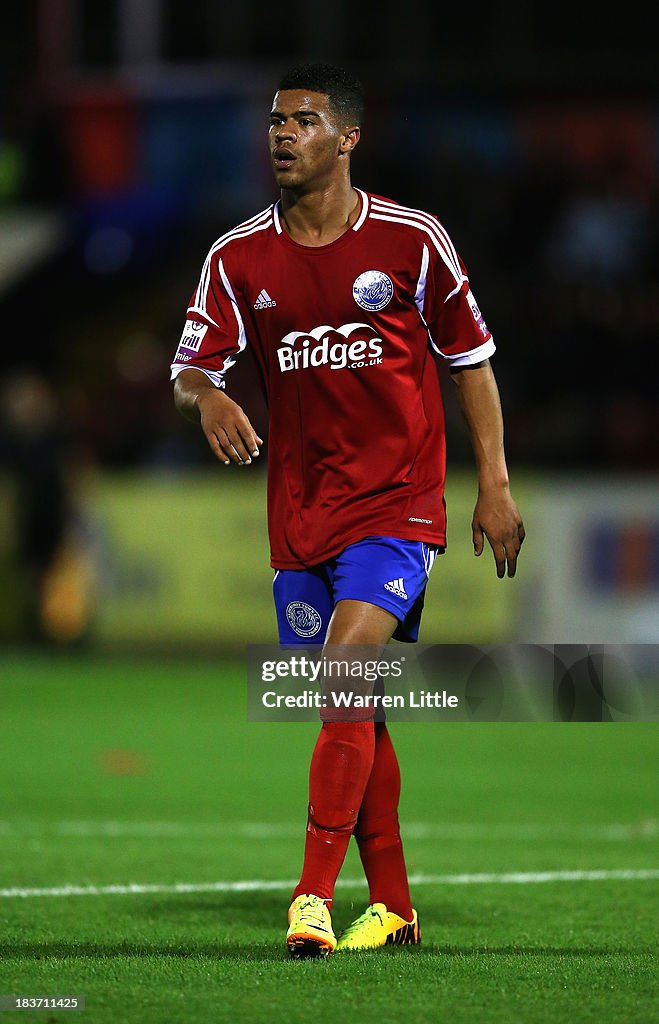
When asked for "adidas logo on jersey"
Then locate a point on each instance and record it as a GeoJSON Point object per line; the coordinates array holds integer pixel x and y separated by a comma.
{"type": "Point", "coordinates": [397, 587]}
{"type": "Point", "coordinates": [264, 301]}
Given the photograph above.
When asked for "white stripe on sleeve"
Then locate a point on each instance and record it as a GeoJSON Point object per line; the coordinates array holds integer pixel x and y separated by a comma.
{"type": "Point", "coordinates": [214, 375]}
{"type": "Point", "coordinates": [420, 293]}
{"type": "Point", "coordinates": [475, 355]}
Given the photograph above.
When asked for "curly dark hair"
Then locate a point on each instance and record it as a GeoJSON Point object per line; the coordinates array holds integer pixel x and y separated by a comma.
{"type": "Point", "coordinates": [343, 90]}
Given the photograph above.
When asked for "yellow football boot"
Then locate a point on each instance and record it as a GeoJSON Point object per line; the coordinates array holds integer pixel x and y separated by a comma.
{"type": "Point", "coordinates": [376, 927]}
{"type": "Point", "coordinates": [310, 932]}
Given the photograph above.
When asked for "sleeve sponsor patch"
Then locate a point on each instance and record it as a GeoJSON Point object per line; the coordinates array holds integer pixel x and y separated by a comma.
{"type": "Point", "coordinates": [478, 316]}
{"type": "Point", "coordinates": [191, 339]}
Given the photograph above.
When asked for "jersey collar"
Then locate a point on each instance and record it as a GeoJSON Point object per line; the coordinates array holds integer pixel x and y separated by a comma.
{"type": "Point", "coordinates": [363, 214]}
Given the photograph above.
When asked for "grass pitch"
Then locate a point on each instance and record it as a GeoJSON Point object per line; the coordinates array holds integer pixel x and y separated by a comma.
{"type": "Point", "coordinates": [123, 772]}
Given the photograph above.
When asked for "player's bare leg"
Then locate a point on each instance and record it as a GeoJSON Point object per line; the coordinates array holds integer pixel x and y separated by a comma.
{"type": "Point", "coordinates": [358, 622]}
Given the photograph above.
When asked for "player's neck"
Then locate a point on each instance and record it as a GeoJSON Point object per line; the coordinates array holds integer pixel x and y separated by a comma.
{"type": "Point", "coordinates": [319, 217]}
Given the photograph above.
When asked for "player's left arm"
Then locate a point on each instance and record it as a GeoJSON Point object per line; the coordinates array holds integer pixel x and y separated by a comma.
{"type": "Point", "coordinates": [495, 515]}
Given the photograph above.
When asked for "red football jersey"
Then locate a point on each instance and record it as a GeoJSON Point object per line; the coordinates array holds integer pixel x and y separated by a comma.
{"type": "Point", "coordinates": [343, 335]}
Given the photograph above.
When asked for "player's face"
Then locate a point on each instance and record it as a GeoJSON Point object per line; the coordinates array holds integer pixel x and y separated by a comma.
{"type": "Point", "coordinates": [306, 141]}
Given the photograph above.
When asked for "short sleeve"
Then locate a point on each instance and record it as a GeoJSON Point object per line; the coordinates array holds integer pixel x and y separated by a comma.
{"type": "Point", "coordinates": [456, 326]}
{"type": "Point", "coordinates": [214, 333]}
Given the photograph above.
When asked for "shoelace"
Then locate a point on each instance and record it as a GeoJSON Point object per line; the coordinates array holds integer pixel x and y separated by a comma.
{"type": "Point", "coordinates": [313, 913]}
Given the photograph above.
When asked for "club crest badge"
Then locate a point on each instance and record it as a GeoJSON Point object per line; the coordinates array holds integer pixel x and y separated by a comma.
{"type": "Point", "coordinates": [303, 619]}
{"type": "Point", "coordinates": [373, 290]}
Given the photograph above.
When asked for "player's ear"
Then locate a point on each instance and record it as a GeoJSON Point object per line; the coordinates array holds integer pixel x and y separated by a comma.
{"type": "Point", "coordinates": [349, 140]}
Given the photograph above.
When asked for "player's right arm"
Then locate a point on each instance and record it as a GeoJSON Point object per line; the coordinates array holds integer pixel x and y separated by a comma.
{"type": "Point", "coordinates": [229, 433]}
{"type": "Point", "coordinates": [213, 338]}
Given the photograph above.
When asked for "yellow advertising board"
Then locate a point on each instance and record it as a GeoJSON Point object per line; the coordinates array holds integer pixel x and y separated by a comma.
{"type": "Point", "coordinates": [184, 560]}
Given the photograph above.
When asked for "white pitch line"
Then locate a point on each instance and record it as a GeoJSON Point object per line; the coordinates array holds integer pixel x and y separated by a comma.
{"type": "Point", "coordinates": [262, 885]}
{"type": "Point", "coordinates": [613, 832]}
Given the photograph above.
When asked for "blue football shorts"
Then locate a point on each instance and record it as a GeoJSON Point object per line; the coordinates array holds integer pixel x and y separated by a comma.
{"type": "Point", "coordinates": [384, 571]}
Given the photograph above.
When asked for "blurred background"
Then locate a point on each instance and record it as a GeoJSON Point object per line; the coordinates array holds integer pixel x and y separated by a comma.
{"type": "Point", "coordinates": [133, 133]}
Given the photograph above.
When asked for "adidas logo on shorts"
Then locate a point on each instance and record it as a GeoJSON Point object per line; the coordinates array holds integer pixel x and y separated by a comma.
{"type": "Point", "coordinates": [264, 301]}
{"type": "Point", "coordinates": [397, 587]}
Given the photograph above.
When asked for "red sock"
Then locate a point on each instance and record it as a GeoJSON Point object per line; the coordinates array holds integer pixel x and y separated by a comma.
{"type": "Point", "coordinates": [340, 767]}
{"type": "Point", "coordinates": [377, 831]}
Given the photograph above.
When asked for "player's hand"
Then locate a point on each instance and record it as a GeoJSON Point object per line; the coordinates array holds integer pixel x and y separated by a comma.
{"type": "Point", "coordinates": [496, 517]}
{"type": "Point", "coordinates": [231, 436]}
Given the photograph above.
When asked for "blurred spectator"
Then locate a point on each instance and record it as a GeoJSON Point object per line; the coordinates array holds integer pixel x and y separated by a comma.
{"type": "Point", "coordinates": [602, 233]}
{"type": "Point", "coordinates": [37, 454]}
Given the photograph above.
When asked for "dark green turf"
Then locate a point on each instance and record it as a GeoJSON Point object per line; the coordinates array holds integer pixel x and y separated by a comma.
{"type": "Point", "coordinates": [500, 798]}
